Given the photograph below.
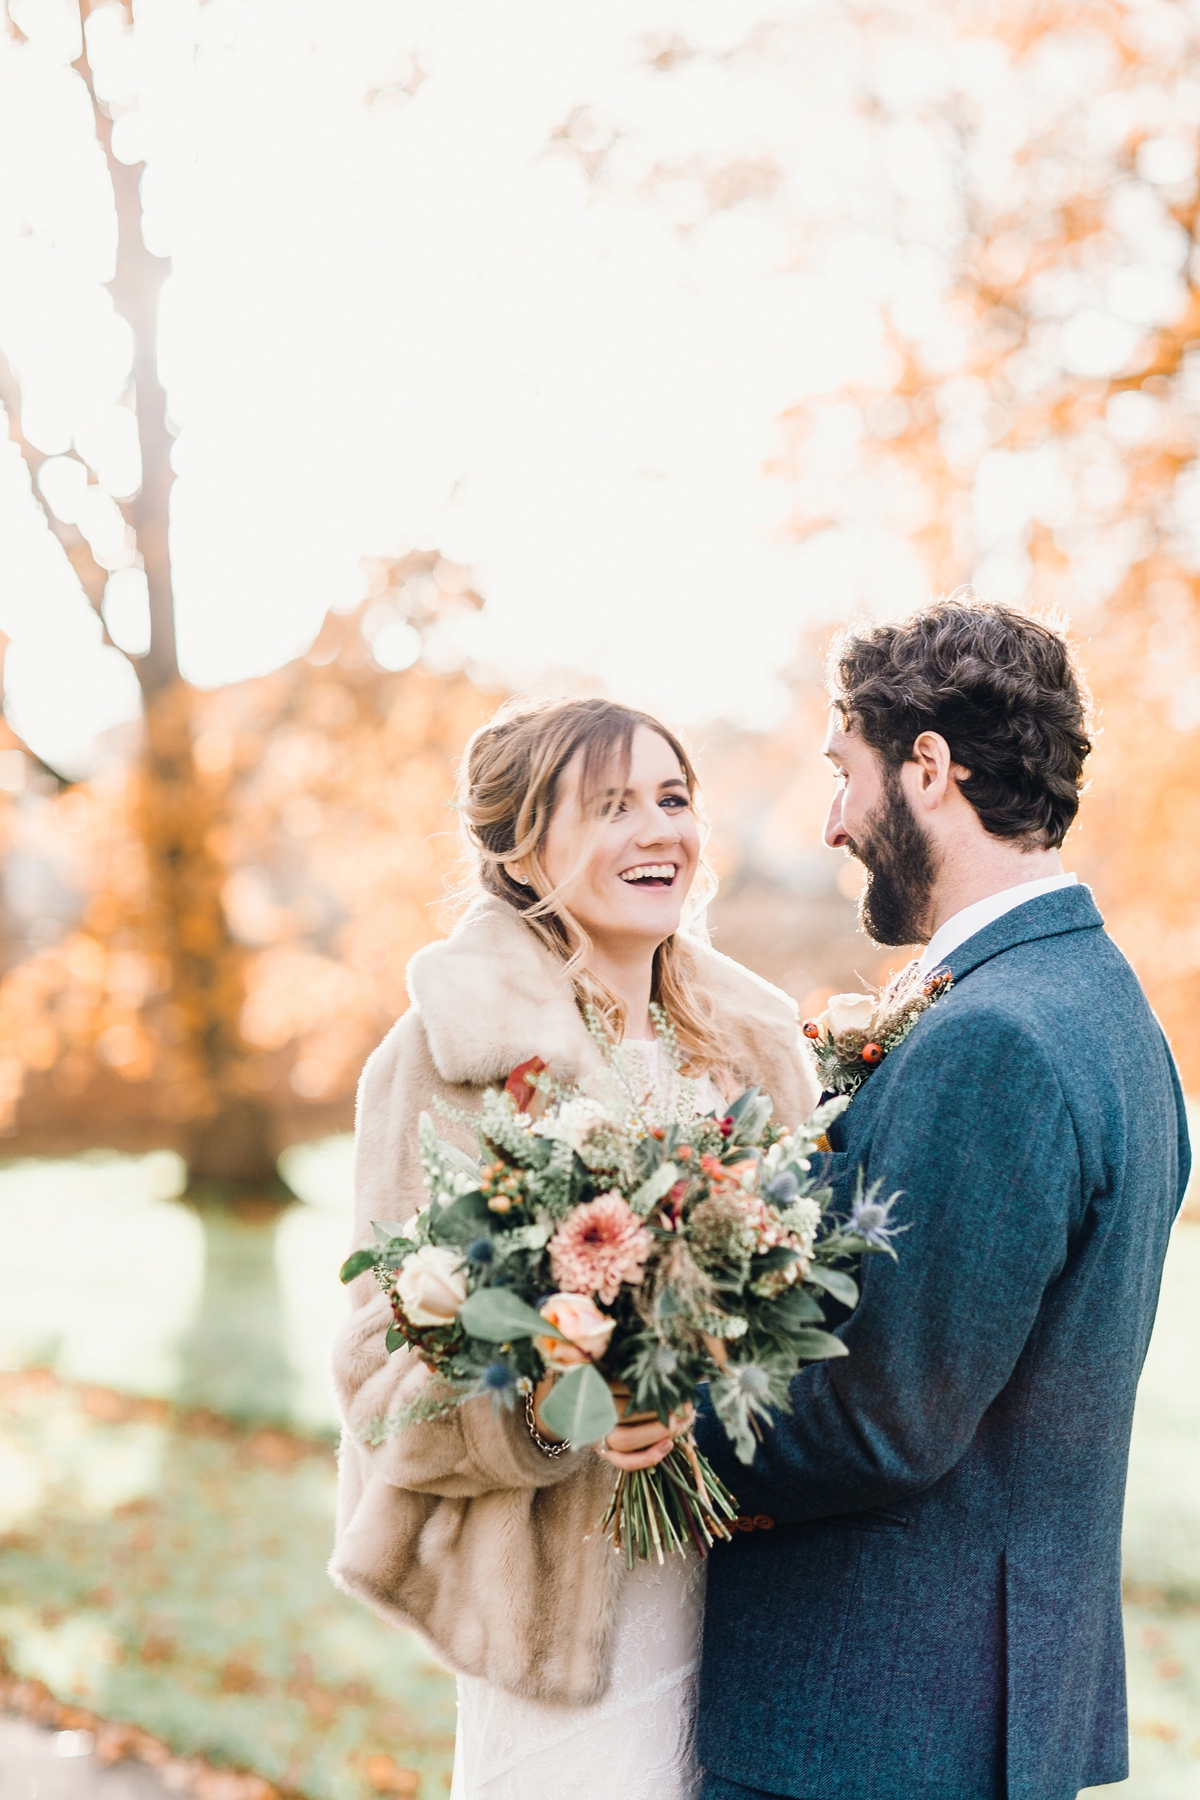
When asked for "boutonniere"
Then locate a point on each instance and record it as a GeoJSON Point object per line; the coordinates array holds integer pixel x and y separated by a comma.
{"type": "Point", "coordinates": [856, 1031]}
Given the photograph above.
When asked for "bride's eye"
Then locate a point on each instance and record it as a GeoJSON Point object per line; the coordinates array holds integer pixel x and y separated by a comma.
{"type": "Point", "coordinates": [676, 802]}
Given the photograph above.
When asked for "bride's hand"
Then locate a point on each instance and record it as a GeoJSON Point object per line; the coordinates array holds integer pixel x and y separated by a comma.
{"type": "Point", "coordinates": [641, 1440]}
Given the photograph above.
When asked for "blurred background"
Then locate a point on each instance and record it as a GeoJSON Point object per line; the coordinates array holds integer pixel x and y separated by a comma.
{"type": "Point", "coordinates": [362, 365]}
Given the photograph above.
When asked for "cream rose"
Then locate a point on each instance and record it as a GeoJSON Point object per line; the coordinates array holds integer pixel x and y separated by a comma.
{"type": "Point", "coordinates": [581, 1321]}
{"type": "Point", "coordinates": [850, 1012]}
{"type": "Point", "coordinates": [573, 1122]}
{"type": "Point", "coordinates": [431, 1286]}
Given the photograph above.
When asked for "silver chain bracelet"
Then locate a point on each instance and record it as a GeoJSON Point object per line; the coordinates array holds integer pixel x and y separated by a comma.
{"type": "Point", "coordinates": [542, 1443]}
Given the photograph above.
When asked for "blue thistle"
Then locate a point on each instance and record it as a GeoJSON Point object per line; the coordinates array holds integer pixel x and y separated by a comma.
{"type": "Point", "coordinates": [871, 1219]}
{"type": "Point", "coordinates": [481, 1250]}
{"type": "Point", "coordinates": [784, 1188]}
{"type": "Point", "coordinates": [753, 1383]}
{"type": "Point", "coordinates": [498, 1380]}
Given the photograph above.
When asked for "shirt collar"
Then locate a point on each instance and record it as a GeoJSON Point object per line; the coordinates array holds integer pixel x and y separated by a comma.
{"type": "Point", "coordinates": [963, 925]}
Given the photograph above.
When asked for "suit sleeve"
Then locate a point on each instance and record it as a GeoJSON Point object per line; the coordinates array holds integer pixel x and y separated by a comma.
{"type": "Point", "coordinates": [1184, 1136]}
{"type": "Point", "coordinates": [980, 1143]}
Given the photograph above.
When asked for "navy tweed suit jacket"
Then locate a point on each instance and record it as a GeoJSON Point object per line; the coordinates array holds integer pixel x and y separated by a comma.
{"type": "Point", "coordinates": [936, 1612]}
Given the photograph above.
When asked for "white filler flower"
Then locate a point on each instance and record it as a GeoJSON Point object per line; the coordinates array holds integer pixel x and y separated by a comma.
{"type": "Point", "coordinates": [573, 1122]}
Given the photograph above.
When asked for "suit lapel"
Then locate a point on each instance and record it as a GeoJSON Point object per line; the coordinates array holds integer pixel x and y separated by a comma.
{"type": "Point", "coordinates": [1050, 915]}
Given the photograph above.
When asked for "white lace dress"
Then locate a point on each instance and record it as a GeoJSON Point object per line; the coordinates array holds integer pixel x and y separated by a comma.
{"type": "Point", "coordinates": [638, 1743]}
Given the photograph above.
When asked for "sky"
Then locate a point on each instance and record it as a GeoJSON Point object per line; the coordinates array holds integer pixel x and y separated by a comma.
{"type": "Point", "coordinates": [403, 312]}
{"type": "Point", "coordinates": [540, 286]}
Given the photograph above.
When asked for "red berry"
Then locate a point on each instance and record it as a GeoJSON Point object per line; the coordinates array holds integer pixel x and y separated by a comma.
{"type": "Point", "coordinates": [871, 1053]}
{"type": "Point", "coordinates": [812, 1029]}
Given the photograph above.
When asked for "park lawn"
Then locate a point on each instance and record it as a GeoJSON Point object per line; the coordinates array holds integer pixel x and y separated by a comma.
{"type": "Point", "coordinates": [166, 1569]}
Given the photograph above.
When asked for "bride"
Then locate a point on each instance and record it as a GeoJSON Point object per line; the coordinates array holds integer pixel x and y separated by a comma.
{"type": "Point", "coordinates": [477, 1528]}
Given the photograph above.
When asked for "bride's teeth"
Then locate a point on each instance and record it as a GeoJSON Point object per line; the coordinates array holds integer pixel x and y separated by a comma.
{"type": "Point", "coordinates": [650, 872]}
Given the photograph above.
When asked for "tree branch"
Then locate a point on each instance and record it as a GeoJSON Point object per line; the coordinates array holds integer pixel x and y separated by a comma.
{"type": "Point", "coordinates": [135, 288]}
{"type": "Point", "coordinates": [90, 575]}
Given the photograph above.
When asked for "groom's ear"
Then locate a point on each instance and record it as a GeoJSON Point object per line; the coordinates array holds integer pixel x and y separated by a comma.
{"type": "Point", "coordinates": [937, 773]}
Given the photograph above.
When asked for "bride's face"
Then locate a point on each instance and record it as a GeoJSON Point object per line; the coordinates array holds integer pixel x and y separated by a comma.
{"type": "Point", "coordinates": [623, 861]}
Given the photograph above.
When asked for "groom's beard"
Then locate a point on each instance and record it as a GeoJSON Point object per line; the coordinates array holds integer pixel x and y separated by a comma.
{"type": "Point", "coordinates": [894, 907]}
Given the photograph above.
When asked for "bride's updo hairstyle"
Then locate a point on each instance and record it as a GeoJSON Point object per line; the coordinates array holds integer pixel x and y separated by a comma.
{"type": "Point", "coordinates": [507, 793]}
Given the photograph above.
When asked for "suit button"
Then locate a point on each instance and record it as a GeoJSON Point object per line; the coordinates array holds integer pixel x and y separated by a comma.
{"type": "Point", "coordinates": [744, 1523]}
{"type": "Point", "coordinates": [764, 1521]}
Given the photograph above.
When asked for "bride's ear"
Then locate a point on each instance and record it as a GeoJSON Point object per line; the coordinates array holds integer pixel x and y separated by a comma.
{"type": "Point", "coordinates": [516, 872]}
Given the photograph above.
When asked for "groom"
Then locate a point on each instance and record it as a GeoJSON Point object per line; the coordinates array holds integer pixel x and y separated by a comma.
{"type": "Point", "coordinates": [924, 1601]}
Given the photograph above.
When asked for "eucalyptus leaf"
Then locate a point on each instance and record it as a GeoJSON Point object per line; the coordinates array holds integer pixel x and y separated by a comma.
{"type": "Point", "coordinates": [497, 1315]}
{"type": "Point", "coordinates": [793, 1308]}
{"type": "Point", "coordinates": [384, 1233]}
{"type": "Point", "coordinates": [395, 1338]}
{"type": "Point", "coordinates": [356, 1264]}
{"type": "Point", "coordinates": [461, 1220]}
{"type": "Point", "coordinates": [579, 1407]}
{"type": "Point", "coordinates": [843, 1287]}
{"type": "Point", "coordinates": [748, 1126]}
{"type": "Point", "coordinates": [459, 1160]}
{"type": "Point", "coordinates": [780, 1257]}
{"type": "Point", "coordinates": [816, 1346]}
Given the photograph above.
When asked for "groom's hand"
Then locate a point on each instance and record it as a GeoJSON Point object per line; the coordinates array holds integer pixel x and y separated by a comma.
{"type": "Point", "coordinates": [641, 1440]}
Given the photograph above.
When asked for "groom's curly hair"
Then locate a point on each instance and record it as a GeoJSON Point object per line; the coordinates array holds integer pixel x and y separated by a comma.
{"type": "Point", "coordinates": [1000, 687]}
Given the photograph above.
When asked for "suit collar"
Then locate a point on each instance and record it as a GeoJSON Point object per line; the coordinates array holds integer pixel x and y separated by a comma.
{"type": "Point", "coordinates": [1051, 915]}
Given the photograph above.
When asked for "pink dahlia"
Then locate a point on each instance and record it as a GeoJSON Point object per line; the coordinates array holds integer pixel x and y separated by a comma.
{"type": "Point", "coordinates": [600, 1245]}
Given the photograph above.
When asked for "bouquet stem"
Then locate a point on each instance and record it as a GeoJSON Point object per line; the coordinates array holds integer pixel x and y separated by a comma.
{"type": "Point", "coordinates": [681, 1501]}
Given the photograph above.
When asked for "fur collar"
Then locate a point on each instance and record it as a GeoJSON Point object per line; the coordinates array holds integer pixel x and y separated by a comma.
{"type": "Point", "coordinates": [491, 995]}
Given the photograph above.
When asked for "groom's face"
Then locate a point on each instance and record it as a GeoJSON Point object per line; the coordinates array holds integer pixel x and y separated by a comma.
{"type": "Point", "coordinates": [872, 820]}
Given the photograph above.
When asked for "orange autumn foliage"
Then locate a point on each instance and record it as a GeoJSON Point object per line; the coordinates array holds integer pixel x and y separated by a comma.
{"type": "Point", "coordinates": [1039, 426]}
{"type": "Point", "coordinates": [318, 849]}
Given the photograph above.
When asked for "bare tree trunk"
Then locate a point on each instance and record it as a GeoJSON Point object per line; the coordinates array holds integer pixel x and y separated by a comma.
{"type": "Point", "coordinates": [226, 1129]}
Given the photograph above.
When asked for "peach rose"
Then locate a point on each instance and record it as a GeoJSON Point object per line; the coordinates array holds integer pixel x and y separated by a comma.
{"type": "Point", "coordinates": [850, 1012]}
{"type": "Point", "coordinates": [581, 1321]}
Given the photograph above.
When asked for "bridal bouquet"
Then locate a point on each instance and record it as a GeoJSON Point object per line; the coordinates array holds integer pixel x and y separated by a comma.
{"type": "Point", "coordinates": [611, 1240]}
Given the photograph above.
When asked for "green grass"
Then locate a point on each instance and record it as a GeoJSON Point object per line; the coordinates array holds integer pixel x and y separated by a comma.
{"type": "Point", "coordinates": [164, 1569]}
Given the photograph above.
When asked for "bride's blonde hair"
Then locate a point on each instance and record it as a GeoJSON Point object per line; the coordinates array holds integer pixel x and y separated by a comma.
{"type": "Point", "coordinates": [507, 793]}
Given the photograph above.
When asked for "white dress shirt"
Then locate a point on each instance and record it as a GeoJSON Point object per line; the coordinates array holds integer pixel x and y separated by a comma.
{"type": "Point", "coordinates": [963, 925]}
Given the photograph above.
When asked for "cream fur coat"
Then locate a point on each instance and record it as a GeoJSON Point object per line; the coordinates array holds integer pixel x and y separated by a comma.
{"type": "Point", "coordinates": [460, 1527]}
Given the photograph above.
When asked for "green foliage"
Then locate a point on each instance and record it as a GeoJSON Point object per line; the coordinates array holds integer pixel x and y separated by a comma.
{"type": "Point", "coordinates": [580, 1407]}
{"type": "Point", "coordinates": [358, 1264]}
{"type": "Point", "coordinates": [843, 1287]}
{"type": "Point", "coordinates": [816, 1346]}
{"type": "Point", "coordinates": [498, 1315]}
